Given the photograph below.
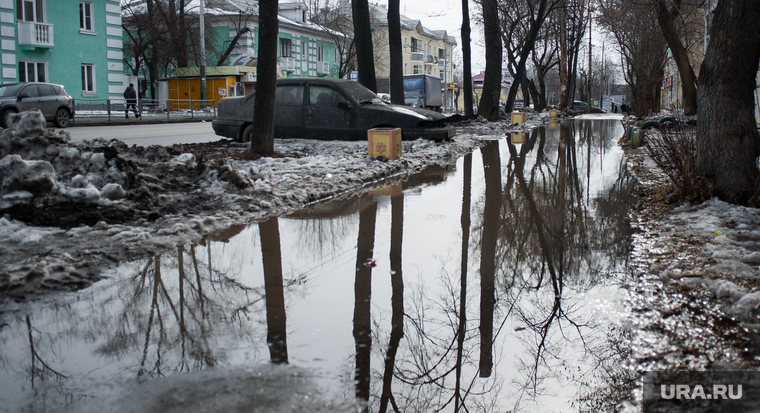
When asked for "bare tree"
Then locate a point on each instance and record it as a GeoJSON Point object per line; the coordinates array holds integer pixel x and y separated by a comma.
{"type": "Point", "coordinates": [364, 49]}
{"type": "Point", "coordinates": [396, 51]}
{"type": "Point", "coordinates": [338, 26]}
{"type": "Point", "coordinates": [667, 13]}
{"type": "Point", "coordinates": [521, 25]}
{"type": "Point", "coordinates": [727, 136]}
{"type": "Point", "coordinates": [466, 59]}
{"type": "Point", "coordinates": [262, 138]}
{"type": "Point", "coordinates": [642, 50]}
{"type": "Point", "coordinates": [489, 102]}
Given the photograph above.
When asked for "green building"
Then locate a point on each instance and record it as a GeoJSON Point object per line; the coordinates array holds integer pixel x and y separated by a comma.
{"type": "Point", "coordinates": [74, 43]}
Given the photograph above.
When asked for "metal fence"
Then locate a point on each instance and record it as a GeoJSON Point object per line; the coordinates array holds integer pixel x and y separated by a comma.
{"type": "Point", "coordinates": [148, 108]}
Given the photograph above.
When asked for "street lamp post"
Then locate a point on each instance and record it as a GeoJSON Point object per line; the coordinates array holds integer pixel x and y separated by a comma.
{"type": "Point", "coordinates": [203, 57]}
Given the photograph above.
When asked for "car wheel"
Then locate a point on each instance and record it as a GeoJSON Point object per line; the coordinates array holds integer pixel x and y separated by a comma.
{"type": "Point", "coordinates": [61, 119]}
{"type": "Point", "coordinates": [6, 118]}
{"type": "Point", "coordinates": [246, 135]}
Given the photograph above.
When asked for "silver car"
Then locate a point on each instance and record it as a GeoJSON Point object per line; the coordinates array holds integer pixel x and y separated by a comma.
{"type": "Point", "coordinates": [50, 98]}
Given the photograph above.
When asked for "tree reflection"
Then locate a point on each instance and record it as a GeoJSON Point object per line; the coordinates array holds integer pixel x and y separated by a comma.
{"type": "Point", "coordinates": [275, 295]}
{"type": "Point", "coordinates": [176, 308]}
{"type": "Point", "coordinates": [491, 209]}
{"type": "Point", "coordinates": [362, 304]}
{"type": "Point", "coordinates": [556, 246]}
{"type": "Point", "coordinates": [397, 302]}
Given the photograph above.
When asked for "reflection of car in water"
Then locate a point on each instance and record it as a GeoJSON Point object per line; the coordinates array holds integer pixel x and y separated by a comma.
{"type": "Point", "coordinates": [328, 109]}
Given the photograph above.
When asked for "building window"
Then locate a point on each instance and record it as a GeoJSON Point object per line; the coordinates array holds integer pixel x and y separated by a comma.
{"type": "Point", "coordinates": [416, 69]}
{"type": "Point", "coordinates": [441, 53]}
{"type": "Point", "coordinates": [32, 71]}
{"type": "Point", "coordinates": [304, 51]}
{"type": "Point", "coordinates": [415, 45]}
{"type": "Point", "coordinates": [30, 10]}
{"type": "Point", "coordinates": [442, 75]}
{"type": "Point", "coordinates": [320, 53]}
{"type": "Point", "coordinates": [406, 68]}
{"type": "Point", "coordinates": [88, 78]}
{"type": "Point", "coordinates": [85, 16]}
{"type": "Point", "coordinates": [285, 48]}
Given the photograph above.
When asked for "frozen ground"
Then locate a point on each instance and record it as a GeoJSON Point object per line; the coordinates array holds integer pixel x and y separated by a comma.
{"type": "Point", "coordinates": [697, 297]}
{"type": "Point", "coordinates": [67, 210]}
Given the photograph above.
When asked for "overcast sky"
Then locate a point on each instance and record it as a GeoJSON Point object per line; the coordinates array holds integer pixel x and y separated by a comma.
{"type": "Point", "coordinates": [447, 15]}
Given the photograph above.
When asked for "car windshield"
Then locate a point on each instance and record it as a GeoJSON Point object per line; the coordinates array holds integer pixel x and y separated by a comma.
{"type": "Point", "coordinates": [10, 90]}
{"type": "Point", "coordinates": [360, 93]}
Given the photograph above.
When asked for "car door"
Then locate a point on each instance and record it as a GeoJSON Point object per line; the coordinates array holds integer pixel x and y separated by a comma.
{"type": "Point", "coordinates": [288, 112]}
{"type": "Point", "coordinates": [329, 115]}
{"type": "Point", "coordinates": [32, 101]}
{"type": "Point", "coordinates": [48, 100]}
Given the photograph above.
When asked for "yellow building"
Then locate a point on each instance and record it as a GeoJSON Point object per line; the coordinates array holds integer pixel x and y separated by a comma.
{"type": "Point", "coordinates": [425, 51]}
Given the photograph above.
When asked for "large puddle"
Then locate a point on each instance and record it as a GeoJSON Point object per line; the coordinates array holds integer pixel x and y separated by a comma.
{"type": "Point", "coordinates": [492, 285]}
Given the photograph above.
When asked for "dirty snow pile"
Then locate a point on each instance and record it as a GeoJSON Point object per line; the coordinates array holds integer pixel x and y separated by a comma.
{"type": "Point", "coordinates": [147, 200]}
{"type": "Point", "coordinates": [732, 235]}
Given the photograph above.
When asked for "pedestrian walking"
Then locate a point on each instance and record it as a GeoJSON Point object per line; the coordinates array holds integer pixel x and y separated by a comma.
{"type": "Point", "coordinates": [131, 96]}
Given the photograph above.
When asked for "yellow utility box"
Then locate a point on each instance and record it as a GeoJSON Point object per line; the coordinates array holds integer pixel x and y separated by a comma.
{"type": "Point", "coordinates": [392, 190]}
{"type": "Point", "coordinates": [518, 118]}
{"type": "Point", "coordinates": [518, 138]}
{"type": "Point", "coordinates": [384, 142]}
{"type": "Point", "coordinates": [553, 113]}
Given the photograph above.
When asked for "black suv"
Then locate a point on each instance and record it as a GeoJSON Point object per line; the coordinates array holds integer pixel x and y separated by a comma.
{"type": "Point", "coordinates": [51, 99]}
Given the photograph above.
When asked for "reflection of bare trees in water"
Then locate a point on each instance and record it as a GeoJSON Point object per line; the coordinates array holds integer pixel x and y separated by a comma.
{"type": "Point", "coordinates": [274, 291]}
{"type": "Point", "coordinates": [38, 368]}
{"type": "Point", "coordinates": [555, 245]}
{"type": "Point", "coordinates": [362, 304]}
{"type": "Point", "coordinates": [173, 308]}
{"type": "Point", "coordinates": [541, 248]}
{"type": "Point", "coordinates": [397, 303]}
{"type": "Point", "coordinates": [437, 366]}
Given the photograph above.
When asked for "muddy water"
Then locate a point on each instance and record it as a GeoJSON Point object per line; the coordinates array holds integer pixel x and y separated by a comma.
{"type": "Point", "coordinates": [491, 285]}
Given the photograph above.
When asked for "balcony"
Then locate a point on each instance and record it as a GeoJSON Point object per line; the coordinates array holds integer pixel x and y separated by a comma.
{"type": "Point", "coordinates": [32, 35]}
{"type": "Point", "coordinates": [417, 57]}
{"type": "Point", "coordinates": [323, 68]}
{"type": "Point", "coordinates": [287, 63]}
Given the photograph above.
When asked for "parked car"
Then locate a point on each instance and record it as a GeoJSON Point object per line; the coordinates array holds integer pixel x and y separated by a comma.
{"type": "Point", "coordinates": [51, 99]}
{"type": "Point", "coordinates": [583, 107]}
{"type": "Point", "coordinates": [328, 109]}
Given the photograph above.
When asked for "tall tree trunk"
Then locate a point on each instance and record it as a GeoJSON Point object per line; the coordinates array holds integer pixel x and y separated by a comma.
{"type": "Point", "coordinates": [262, 139]}
{"type": "Point", "coordinates": [489, 101]}
{"type": "Point", "coordinates": [466, 62]}
{"type": "Point", "coordinates": [396, 51]}
{"type": "Point", "coordinates": [365, 59]}
{"type": "Point", "coordinates": [665, 18]}
{"type": "Point", "coordinates": [563, 56]}
{"type": "Point", "coordinates": [727, 137]}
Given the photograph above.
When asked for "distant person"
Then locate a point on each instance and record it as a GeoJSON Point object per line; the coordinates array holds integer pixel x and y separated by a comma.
{"type": "Point", "coordinates": [131, 96]}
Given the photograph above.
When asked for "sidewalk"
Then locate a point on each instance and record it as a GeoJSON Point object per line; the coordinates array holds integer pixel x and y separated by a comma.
{"type": "Point", "coordinates": [145, 119]}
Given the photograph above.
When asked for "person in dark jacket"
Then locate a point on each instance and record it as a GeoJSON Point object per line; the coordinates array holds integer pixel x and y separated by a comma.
{"type": "Point", "coordinates": [131, 96]}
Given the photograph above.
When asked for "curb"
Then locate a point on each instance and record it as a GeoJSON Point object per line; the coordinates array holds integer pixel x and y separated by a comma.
{"type": "Point", "coordinates": [132, 121]}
